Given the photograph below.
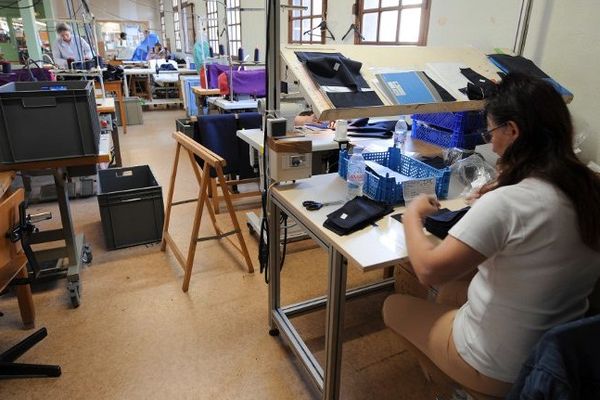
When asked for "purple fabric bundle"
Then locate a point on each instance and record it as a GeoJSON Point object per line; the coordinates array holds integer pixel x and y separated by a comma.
{"type": "Point", "coordinates": [212, 73]}
{"type": "Point", "coordinates": [251, 82]}
{"type": "Point", "coordinates": [23, 75]}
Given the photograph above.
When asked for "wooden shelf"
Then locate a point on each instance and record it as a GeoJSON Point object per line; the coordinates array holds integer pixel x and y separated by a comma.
{"type": "Point", "coordinates": [402, 57]}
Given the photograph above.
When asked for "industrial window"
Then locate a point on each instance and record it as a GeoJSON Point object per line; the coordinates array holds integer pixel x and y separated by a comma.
{"type": "Point", "coordinates": [189, 27]}
{"type": "Point", "coordinates": [234, 25]}
{"type": "Point", "coordinates": [212, 24]}
{"type": "Point", "coordinates": [302, 22]}
{"type": "Point", "coordinates": [176, 25]}
{"type": "Point", "coordinates": [163, 29]}
{"type": "Point", "coordinates": [393, 21]}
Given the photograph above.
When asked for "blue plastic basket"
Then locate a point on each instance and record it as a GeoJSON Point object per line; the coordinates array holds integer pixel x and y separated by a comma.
{"type": "Point", "coordinates": [385, 189]}
{"type": "Point", "coordinates": [446, 139]}
{"type": "Point", "coordinates": [458, 122]}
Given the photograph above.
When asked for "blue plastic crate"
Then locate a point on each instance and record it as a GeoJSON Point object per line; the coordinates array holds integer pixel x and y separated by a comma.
{"type": "Point", "coordinates": [386, 189]}
{"type": "Point", "coordinates": [458, 122]}
{"type": "Point", "coordinates": [446, 139]}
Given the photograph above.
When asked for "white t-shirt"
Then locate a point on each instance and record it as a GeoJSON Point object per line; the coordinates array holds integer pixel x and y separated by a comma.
{"type": "Point", "coordinates": [538, 274]}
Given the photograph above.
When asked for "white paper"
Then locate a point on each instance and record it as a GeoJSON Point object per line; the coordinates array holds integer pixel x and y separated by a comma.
{"type": "Point", "coordinates": [413, 188]}
{"type": "Point", "coordinates": [384, 171]}
{"type": "Point", "coordinates": [449, 76]}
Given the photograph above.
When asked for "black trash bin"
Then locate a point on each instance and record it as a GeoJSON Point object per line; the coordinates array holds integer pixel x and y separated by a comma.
{"type": "Point", "coordinates": [131, 206]}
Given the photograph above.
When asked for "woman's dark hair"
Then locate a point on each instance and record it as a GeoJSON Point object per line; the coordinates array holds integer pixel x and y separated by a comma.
{"type": "Point", "coordinates": [544, 147]}
{"type": "Point", "coordinates": [62, 27]}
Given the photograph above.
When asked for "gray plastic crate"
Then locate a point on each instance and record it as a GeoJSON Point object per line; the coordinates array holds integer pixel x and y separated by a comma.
{"type": "Point", "coordinates": [185, 126]}
{"type": "Point", "coordinates": [131, 206]}
{"type": "Point", "coordinates": [133, 109]}
{"type": "Point", "coordinates": [47, 121]}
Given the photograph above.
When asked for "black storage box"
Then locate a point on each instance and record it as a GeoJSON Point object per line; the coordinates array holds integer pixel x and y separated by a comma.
{"type": "Point", "coordinates": [131, 206]}
{"type": "Point", "coordinates": [47, 121]}
{"type": "Point", "coordinates": [185, 126]}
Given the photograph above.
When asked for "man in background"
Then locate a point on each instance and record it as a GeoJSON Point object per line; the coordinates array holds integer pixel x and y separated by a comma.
{"type": "Point", "coordinates": [66, 49]}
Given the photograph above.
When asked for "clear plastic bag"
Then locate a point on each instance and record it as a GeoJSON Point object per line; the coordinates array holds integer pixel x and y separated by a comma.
{"type": "Point", "coordinates": [472, 173]}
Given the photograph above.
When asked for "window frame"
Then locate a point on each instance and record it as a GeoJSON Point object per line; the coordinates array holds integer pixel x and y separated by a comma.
{"type": "Point", "coordinates": [187, 14]}
{"type": "Point", "coordinates": [177, 25]}
{"type": "Point", "coordinates": [425, 7]}
{"type": "Point", "coordinates": [311, 17]}
{"type": "Point", "coordinates": [234, 6]}
{"type": "Point", "coordinates": [212, 24]}
{"type": "Point", "coordinates": [163, 27]}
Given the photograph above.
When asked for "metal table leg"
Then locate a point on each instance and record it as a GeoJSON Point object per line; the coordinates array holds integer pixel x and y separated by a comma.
{"type": "Point", "coordinates": [336, 300]}
{"type": "Point", "coordinates": [274, 260]}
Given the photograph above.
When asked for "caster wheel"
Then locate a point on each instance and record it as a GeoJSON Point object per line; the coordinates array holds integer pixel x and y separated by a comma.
{"type": "Point", "coordinates": [274, 332]}
{"type": "Point", "coordinates": [86, 256]}
{"type": "Point", "coordinates": [250, 228]}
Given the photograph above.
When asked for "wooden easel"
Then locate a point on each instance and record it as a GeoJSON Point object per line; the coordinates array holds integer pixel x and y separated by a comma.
{"type": "Point", "coordinates": [211, 161]}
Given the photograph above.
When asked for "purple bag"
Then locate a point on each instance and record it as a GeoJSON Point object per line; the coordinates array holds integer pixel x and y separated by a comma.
{"type": "Point", "coordinates": [212, 73]}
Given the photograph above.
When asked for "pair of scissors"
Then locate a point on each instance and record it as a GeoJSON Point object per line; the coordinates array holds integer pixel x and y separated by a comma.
{"type": "Point", "coordinates": [311, 205]}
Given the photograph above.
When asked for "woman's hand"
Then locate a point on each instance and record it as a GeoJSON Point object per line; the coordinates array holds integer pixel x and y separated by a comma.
{"type": "Point", "coordinates": [423, 205]}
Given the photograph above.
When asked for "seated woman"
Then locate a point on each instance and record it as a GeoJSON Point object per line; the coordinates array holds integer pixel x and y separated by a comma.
{"type": "Point", "coordinates": [533, 238]}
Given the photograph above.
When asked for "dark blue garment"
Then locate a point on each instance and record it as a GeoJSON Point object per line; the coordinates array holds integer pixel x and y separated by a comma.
{"type": "Point", "coordinates": [565, 364]}
{"type": "Point", "coordinates": [362, 128]}
{"type": "Point", "coordinates": [218, 133]}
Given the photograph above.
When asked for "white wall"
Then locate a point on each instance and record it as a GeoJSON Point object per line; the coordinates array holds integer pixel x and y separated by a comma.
{"type": "Point", "coordinates": [142, 10]}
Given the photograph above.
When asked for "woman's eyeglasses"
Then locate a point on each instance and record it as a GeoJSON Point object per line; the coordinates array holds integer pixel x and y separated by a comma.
{"type": "Point", "coordinates": [487, 135]}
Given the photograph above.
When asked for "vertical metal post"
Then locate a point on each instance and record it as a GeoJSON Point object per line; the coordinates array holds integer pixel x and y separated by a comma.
{"type": "Point", "coordinates": [274, 260]}
{"type": "Point", "coordinates": [523, 27]}
{"type": "Point", "coordinates": [273, 55]}
{"type": "Point", "coordinates": [62, 192]}
{"type": "Point", "coordinates": [335, 324]}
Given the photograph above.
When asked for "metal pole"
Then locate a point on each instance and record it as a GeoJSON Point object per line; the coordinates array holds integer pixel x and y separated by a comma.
{"type": "Point", "coordinates": [523, 27]}
{"type": "Point", "coordinates": [273, 55]}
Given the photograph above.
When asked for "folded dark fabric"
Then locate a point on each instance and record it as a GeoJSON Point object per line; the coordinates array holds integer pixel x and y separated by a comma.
{"type": "Point", "coordinates": [479, 87]}
{"type": "Point", "coordinates": [355, 215]}
{"type": "Point", "coordinates": [441, 222]}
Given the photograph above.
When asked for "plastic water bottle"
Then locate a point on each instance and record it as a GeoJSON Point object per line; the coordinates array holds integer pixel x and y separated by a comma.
{"type": "Point", "coordinates": [356, 174]}
{"type": "Point", "coordinates": [400, 134]}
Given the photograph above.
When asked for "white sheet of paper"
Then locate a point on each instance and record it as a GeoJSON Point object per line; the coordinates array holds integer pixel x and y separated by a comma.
{"type": "Point", "coordinates": [413, 188]}
{"type": "Point", "coordinates": [448, 75]}
{"type": "Point", "coordinates": [383, 171]}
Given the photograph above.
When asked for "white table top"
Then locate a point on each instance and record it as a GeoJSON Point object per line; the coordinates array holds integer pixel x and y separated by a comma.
{"type": "Point", "coordinates": [232, 105]}
{"type": "Point", "coordinates": [371, 247]}
{"type": "Point", "coordinates": [321, 141]}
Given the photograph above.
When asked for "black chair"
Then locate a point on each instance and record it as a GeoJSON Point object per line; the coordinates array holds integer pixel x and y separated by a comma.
{"type": "Point", "coordinates": [10, 369]}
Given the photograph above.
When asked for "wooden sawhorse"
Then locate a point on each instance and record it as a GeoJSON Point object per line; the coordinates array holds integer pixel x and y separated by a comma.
{"type": "Point", "coordinates": [214, 162]}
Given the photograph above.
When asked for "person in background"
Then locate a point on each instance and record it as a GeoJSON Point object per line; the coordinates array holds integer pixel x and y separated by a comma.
{"type": "Point", "coordinates": [157, 52]}
{"type": "Point", "coordinates": [532, 240]}
{"type": "Point", "coordinates": [67, 47]}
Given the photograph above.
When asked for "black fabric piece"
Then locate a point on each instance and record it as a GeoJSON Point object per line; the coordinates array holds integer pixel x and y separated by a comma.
{"type": "Point", "coordinates": [518, 64]}
{"type": "Point", "coordinates": [358, 99]}
{"type": "Point", "coordinates": [362, 128]}
{"type": "Point", "coordinates": [480, 87]}
{"type": "Point", "coordinates": [355, 215]}
{"type": "Point", "coordinates": [374, 134]}
{"type": "Point", "coordinates": [435, 162]}
{"type": "Point", "coordinates": [334, 69]}
{"type": "Point", "coordinates": [440, 89]}
{"type": "Point", "coordinates": [441, 222]}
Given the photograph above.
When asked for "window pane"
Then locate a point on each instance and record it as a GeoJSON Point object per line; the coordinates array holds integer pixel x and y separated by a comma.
{"type": "Point", "coordinates": [308, 10]}
{"type": "Point", "coordinates": [317, 7]}
{"type": "Point", "coordinates": [390, 3]}
{"type": "Point", "coordinates": [369, 27]}
{"type": "Point", "coordinates": [411, 2]}
{"type": "Point", "coordinates": [306, 27]}
{"type": "Point", "coordinates": [387, 26]}
{"type": "Point", "coordinates": [296, 30]}
{"type": "Point", "coordinates": [410, 22]}
{"type": "Point", "coordinates": [371, 4]}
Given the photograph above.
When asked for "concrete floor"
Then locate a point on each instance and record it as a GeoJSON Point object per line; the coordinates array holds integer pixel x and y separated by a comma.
{"type": "Point", "coordinates": [136, 335]}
